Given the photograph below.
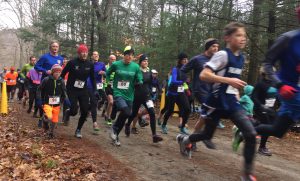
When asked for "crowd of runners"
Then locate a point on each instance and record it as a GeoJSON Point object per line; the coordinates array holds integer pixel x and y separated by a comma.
{"type": "Point", "coordinates": [126, 90]}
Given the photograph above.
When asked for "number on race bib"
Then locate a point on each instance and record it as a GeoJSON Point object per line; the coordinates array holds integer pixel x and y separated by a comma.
{"type": "Point", "coordinates": [79, 84]}
{"type": "Point", "coordinates": [99, 86]}
{"type": "Point", "coordinates": [153, 89]}
{"type": "Point", "coordinates": [54, 100]}
{"type": "Point", "coordinates": [270, 102]}
{"type": "Point", "coordinates": [150, 104]}
{"type": "Point", "coordinates": [232, 90]}
{"type": "Point", "coordinates": [180, 89]}
{"type": "Point", "coordinates": [123, 85]}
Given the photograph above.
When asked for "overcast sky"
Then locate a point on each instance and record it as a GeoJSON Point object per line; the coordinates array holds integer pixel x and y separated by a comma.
{"type": "Point", "coordinates": [8, 19]}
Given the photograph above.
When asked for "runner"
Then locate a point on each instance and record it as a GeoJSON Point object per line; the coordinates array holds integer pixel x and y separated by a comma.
{"type": "Point", "coordinates": [155, 87]}
{"type": "Point", "coordinates": [33, 82]}
{"type": "Point", "coordinates": [25, 69]}
{"type": "Point", "coordinates": [177, 95]}
{"type": "Point", "coordinates": [49, 94]}
{"type": "Point", "coordinates": [142, 96]}
{"type": "Point", "coordinates": [224, 70]}
{"type": "Point", "coordinates": [79, 70]}
{"type": "Point", "coordinates": [11, 82]}
{"type": "Point", "coordinates": [99, 71]}
{"type": "Point", "coordinates": [45, 63]}
{"type": "Point", "coordinates": [200, 88]}
{"type": "Point", "coordinates": [127, 76]}
{"type": "Point", "coordinates": [285, 50]}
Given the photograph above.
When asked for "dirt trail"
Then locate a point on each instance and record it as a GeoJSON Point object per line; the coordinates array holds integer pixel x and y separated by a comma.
{"type": "Point", "coordinates": [163, 161]}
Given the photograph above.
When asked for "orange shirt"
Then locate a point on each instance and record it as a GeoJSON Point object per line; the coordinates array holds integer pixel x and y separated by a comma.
{"type": "Point", "coordinates": [11, 78]}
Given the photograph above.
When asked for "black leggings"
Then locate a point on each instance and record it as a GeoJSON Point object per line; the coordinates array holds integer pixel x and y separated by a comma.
{"type": "Point", "coordinates": [135, 109]}
{"type": "Point", "coordinates": [184, 108]}
{"type": "Point", "coordinates": [81, 96]}
{"type": "Point", "coordinates": [93, 105]}
{"type": "Point", "coordinates": [264, 118]}
{"type": "Point", "coordinates": [32, 99]}
{"type": "Point", "coordinates": [240, 119]}
{"type": "Point", "coordinates": [278, 129]}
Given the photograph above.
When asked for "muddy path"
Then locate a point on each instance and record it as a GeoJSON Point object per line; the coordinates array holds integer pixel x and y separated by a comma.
{"type": "Point", "coordinates": [163, 161]}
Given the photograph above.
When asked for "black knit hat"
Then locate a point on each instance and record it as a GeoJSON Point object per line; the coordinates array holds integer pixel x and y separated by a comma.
{"type": "Point", "coordinates": [182, 56]}
{"type": "Point", "coordinates": [143, 57]}
{"type": "Point", "coordinates": [210, 42]}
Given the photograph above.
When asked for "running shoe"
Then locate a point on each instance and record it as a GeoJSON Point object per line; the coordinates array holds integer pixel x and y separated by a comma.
{"type": "Point", "coordinates": [194, 147]}
{"type": "Point", "coordinates": [221, 125]}
{"type": "Point", "coordinates": [66, 117]}
{"type": "Point", "coordinates": [248, 177]}
{"type": "Point", "coordinates": [113, 135]}
{"type": "Point", "coordinates": [157, 138]}
{"type": "Point", "coordinates": [264, 151]}
{"type": "Point", "coordinates": [185, 149]}
{"type": "Point", "coordinates": [127, 130]}
{"type": "Point", "coordinates": [143, 123]}
{"type": "Point", "coordinates": [134, 131]}
{"type": "Point", "coordinates": [164, 129]}
{"type": "Point", "coordinates": [78, 134]}
{"type": "Point", "coordinates": [96, 127]}
{"type": "Point", "coordinates": [109, 122]}
{"type": "Point", "coordinates": [209, 144]}
{"type": "Point", "coordinates": [117, 142]}
{"type": "Point", "coordinates": [237, 139]}
{"type": "Point", "coordinates": [184, 130]}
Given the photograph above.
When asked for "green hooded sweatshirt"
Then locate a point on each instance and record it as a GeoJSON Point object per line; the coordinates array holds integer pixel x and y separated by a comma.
{"type": "Point", "coordinates": [246, 101]}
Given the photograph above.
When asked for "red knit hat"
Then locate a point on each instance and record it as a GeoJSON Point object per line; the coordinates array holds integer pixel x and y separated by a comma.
{"type": "Point", "coordinates": [12, 68]}
{"type": "Point", "coordinates": [298, 13]}
{"type": "Point", "coordinates": [82, 48]}
{"type": "Point", "coordinates": [56, 68]}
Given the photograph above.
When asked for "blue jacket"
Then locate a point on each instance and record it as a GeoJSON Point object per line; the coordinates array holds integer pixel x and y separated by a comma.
{"type": "Point", "coordinates": [46, 62]}
{"type": "Point", "coordinates": [98, 66]}
{"type": "Point", "coordinates": [197, 64]}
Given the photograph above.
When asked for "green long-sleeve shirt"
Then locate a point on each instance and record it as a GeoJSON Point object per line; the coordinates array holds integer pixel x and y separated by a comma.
{"type": "Point", "coordinates": [126, 75]}
{"type": "Point", "coordinates": [26, 69]}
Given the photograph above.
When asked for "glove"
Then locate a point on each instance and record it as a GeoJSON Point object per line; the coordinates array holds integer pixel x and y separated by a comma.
{"type": "Point", "coordinates": [67, 102]}
{"type": "Point", "coordinates": [39, 102]}
{"type": "Point", "coordinates": [287, 92]}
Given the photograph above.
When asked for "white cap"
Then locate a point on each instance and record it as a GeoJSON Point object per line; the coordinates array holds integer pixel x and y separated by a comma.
{"type": "Point", "coordinates": [154, 71]}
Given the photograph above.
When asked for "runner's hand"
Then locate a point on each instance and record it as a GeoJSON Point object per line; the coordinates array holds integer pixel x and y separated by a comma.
{"type": "Point", "coordinates": [236, 83]}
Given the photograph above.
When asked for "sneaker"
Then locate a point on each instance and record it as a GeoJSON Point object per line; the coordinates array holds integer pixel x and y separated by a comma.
{"type": "Point", "coordinates": [264, 151]}
{"type": "Point", "coordinates": [157, 138]}
{"type": "Point", "coordinates": [185, 149]}
{"type": "Point", "coordinates": [78, 134]}
{"type": "Point", "coordinates": [113, 135]}
{"type": "Point", "coordinates": [127, 130]}
{"type": "Point", "coordinates": [117, 142]}
{"type": "Point", "coordinates": [158, 122]}
{"type": "Point", "coordinates": [164, 129]}
{"type": "Point", "coordinates": [134, 131]}
{"type": "Point", "coordinates": [209, 144]}
{"type": "Point", "coordinates": [109, 122]}
{"type": "Point", "coordinates": [184, 130]}
{"type": "Point", "coordinates": [194, 147]}
{"type": "Point", "coordinates": [221, 125]}
{"type": "Point", "coordinates": [96, 127]}
{"type": "Point", "coordinates": [143, 123]}
{"type": "Point", "coordinates": [66, 117]}
{"type": "Point", "coordinates": [248, 177]}
{"type": "Point", "coordinates": [237, 139]}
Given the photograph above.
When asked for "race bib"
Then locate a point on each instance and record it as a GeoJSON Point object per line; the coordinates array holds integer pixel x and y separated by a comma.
{"type": "Point", "coordinates": [99, 86]}
{"type": "Point", "coordinates": [149, 104]}
{"type": "Point", "coordinates": [153, 89]}
{"type": "Point", "coordinates": [11, 81]}
{"type": "Point", "coordinates": [54, 100]}
{"type": "Point", "coordinates": [180, 89]}
{"type": "Point", "coordinates": [270, 102]}
{"type": "Point", "coordinates": [232, 90]}
{"type": "Point", "coordinates": [123, 85]}
{"type": "Point", "coordinates": [79, 84]}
